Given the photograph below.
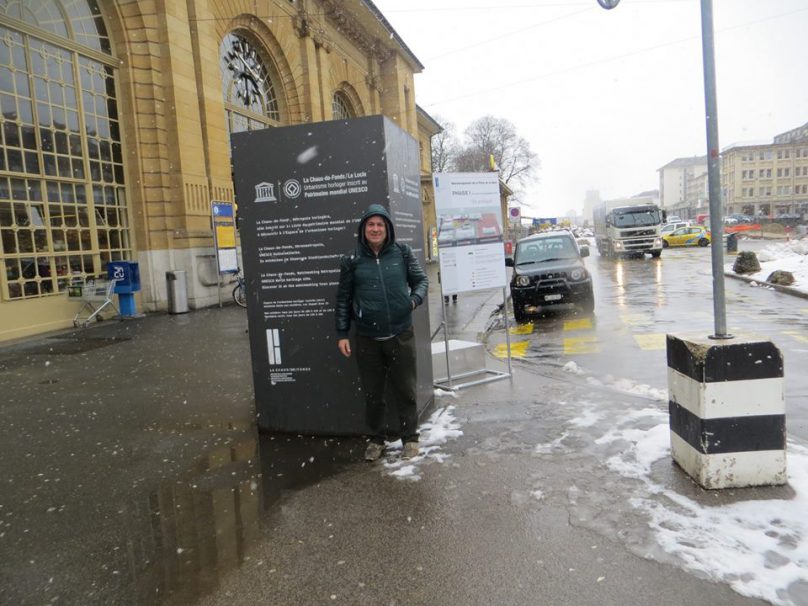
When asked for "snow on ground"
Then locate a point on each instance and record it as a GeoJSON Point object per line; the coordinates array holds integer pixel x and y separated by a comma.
{"type": "Point", "coordinates": [758, 546]}
{"type": "Point", "coordinates": [788, 256]}
{"type": "Point", "coordinates": [439, 429]}
{"type": "Point", "coordinates": [621, 385]}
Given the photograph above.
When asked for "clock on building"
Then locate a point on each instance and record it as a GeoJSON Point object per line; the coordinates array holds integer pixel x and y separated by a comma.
{"type": "Point", "coordinates": [247, 70]}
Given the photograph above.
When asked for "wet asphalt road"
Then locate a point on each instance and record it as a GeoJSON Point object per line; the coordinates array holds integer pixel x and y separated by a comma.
{"type": "Point", "coordinates": [639, 301]}
{"type": "Point", "coordinates": [131, 473]}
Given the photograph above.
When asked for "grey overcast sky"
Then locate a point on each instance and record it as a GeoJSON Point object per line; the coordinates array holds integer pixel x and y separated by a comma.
{"type": "Point", "coordinates": [605, 98]}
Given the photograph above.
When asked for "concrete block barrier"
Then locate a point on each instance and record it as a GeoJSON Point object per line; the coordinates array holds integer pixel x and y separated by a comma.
{"type": "Point", "coordinates": [727, 411]}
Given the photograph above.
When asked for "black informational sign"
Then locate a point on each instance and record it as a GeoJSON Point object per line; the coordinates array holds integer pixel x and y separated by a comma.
{"type": "Point", "coordinates": [301, 191]}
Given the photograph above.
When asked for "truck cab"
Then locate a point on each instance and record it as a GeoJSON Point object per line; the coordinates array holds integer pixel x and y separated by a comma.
{"type": "Point", "coordinates": [628, 230]}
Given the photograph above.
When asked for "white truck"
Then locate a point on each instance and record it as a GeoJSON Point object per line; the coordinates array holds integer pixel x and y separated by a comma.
{"type": "Point", "coordinates": [628, 230]}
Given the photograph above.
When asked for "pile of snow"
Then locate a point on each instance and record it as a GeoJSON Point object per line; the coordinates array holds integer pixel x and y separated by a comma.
{"type": "Point", "coordinates": [786, 256]}
{"type": "Point", "coordinates": [439, 429]}
{"type": "Point", "coordinates": [618, 384]}
{"type": "Point", "coordinates": [758, 547]}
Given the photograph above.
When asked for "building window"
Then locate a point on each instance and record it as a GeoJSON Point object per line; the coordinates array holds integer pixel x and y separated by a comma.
{"type": "Point", "coordinates": [341, 107]}
{"type": "Point", "coordinates": [63, 209]}
{"type": "Point", "coordinates": [248, 81]}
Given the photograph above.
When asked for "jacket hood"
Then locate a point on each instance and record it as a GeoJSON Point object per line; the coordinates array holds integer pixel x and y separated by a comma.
{"type": "Point", "coordinates": [373, 210]}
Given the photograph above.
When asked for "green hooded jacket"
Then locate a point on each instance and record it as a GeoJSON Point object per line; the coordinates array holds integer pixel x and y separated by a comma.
{"type": "Point", "coordinates": [378, 293]}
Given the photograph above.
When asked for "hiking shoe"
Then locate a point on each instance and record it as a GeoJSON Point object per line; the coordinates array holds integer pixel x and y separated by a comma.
{"type": "Point", "coordinates": [410, 450]}
{"type": "Point", "coordinates": [373, 451]}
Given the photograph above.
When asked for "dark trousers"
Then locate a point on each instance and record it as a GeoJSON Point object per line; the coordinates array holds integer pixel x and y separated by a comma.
{"type": "Point", "coordinates": [388, 367]}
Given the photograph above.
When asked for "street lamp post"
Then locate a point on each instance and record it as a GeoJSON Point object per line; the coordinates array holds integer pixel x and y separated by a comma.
{"type": "Point", "coordinates": [713, 165]}
{"type": "Point", "coordinates": [714, 171]}
{"type": "Point", "coordinates": [712, 385]}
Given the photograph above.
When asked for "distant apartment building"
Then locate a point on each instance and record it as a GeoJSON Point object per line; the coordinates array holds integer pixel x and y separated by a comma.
{"type": "Point", "coordinates": [768, 180]}
{"type": "Point", "coordinates": [680, 183]}
{"type": "Point", "coordinates": [591, 201]}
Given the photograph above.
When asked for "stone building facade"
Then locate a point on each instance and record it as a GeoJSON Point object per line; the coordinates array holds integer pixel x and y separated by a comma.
{"type": "Point", "coordinates": [116, 116]}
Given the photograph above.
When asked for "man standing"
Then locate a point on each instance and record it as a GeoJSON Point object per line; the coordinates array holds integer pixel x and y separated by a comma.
{"type": "Point", "coordinates": [379, 286]}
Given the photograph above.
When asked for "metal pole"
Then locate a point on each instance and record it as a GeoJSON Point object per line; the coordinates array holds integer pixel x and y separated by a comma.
{"type": "Point", "coordinates": [714, 171]}
{"type": "Point", "coordinates": [445, 337]}
{"type": "Point", "coordinates": [507, 328]}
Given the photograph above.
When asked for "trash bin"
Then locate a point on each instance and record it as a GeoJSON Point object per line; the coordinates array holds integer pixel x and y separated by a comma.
{"type": "Point", "coordinates": [732, 243]}
{"type": "Point", "coordinates": [177, 292]}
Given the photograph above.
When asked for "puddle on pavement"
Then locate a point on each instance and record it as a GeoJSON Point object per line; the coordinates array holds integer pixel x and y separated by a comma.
{"type": "Point", "coordinates": [180, 541]}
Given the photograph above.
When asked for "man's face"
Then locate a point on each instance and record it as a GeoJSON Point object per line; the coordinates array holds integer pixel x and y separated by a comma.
{"type": "Point", "coordinates": [375, 231]}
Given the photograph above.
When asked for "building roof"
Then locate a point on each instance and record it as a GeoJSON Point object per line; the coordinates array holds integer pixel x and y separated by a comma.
{"type": "Point", "coordinates": [393, 34]}
{"type": "Point", "coordinates": [792, 136]}
{"type": "Point", "coordinates": [683, 162]}
{"type": "Point", "coordinates": [423, 116]}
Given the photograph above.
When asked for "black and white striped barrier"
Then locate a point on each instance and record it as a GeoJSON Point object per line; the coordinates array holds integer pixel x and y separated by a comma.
{"type": "Point", "coordinates": [727, 411]}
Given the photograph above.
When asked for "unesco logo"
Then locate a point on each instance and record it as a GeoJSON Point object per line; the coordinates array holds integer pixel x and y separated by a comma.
{"type": "Point", "coordinates": [291, 188]}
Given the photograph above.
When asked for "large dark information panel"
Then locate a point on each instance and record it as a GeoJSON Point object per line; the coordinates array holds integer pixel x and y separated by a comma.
{"type": "Point", "coordinates": [301, 191]}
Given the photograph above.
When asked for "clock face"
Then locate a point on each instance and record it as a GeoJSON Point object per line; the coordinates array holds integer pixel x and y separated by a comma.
{"type": "Point", "coordinates": [247, 70]}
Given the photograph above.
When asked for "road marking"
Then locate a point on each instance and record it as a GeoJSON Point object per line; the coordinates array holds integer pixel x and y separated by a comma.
{"type": "Point", "coordinates": [800, 336]}
{"type": "Point", "coordinates": [518, 349]}
{"type": "Point", "coordinates": [651, 341]}
{"type": "Point", "coordinates": [522, 329]}
{"type": "Point", "coordinates": [636, 319]}
{"type": "Point", "coordinates": [581, 345]}
{"type": "Point", "coordinates": [582, 324]}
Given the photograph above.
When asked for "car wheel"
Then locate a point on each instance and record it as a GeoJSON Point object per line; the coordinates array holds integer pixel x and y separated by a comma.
{"type": "Point", "coordinates": [704, 242]}
{"type": "Point", "coordinates": [588, 303]}
{"type": "Point", "coordinates": [665, 244]}
{"type": "Point", "coordinates": [656, 254]}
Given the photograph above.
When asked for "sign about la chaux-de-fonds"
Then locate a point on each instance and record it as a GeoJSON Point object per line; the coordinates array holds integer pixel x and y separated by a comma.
{"type": "Point", "coordinates": [301, 191]}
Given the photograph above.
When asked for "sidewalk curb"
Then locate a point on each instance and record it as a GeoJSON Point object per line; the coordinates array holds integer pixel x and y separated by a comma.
{"type": "Point", "coordinates": [786, 289]}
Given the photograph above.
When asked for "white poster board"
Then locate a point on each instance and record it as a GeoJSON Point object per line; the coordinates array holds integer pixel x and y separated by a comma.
{"type": "Point", "coordinates": [470, 234]}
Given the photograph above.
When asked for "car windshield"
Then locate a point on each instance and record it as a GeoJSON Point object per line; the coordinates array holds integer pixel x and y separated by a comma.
{"type": "Point", "coordinates": [544, 250]}
{"type": "Point", "coordinates": [637, 218]}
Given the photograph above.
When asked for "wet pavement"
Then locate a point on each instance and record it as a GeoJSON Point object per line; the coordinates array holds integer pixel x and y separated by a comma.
{"type": "Point", "coordinates": [132, 473]}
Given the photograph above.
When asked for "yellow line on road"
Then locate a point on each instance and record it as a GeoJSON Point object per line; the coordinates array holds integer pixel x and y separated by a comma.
{"type": "Point", "coordinates": [636, 319]}
{"type": "Point", "coordinates": [797, 335]}
{"type": "Point", "coordinates": [651, 341]}
{"type": "Point", "coordinates": [582, 324]}
{"type": "Point", "coordinates": [522, 329]}
{"type": "Point", "coordinates": [581, 345]}
{"type": "Point", "coordinates": [518, 349]}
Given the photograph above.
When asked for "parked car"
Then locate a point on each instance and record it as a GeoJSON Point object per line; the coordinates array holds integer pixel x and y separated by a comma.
{"type": "Point", "coordinates": [549, 271]}
{"type": "Point", "coordinates": [694, 235]}
{"type": "Point", "coordinates": [669, 228]}
{"type": "Point", "coordinates": [674, 219]}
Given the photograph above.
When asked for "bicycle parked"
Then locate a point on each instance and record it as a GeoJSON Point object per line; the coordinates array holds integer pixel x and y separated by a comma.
{"type": "Point", "coordinates": [240, 291]}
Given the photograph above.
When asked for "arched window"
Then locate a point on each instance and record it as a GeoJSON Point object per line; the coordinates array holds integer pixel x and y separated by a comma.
{"type": "Point", "coordinates": [341, 107]}
{"type": "Point", "coordinates": [248, 81]}
{"type": "Point", "coordinates": [63, 211]}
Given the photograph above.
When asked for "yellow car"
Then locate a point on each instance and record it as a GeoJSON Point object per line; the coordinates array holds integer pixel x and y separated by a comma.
{"type": "Point", "coordinates": [694, 235]}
